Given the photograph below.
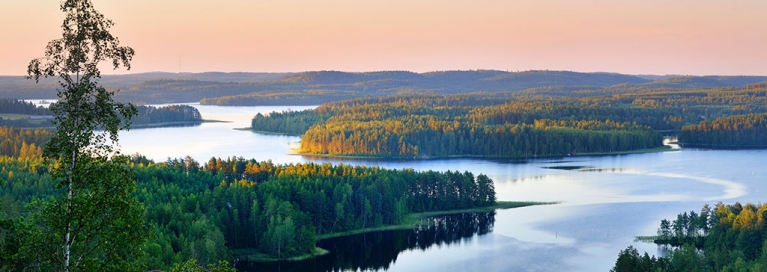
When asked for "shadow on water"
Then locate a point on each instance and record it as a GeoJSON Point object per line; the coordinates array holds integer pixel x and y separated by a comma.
{"type": "Point", "coordinates": [378, 250]}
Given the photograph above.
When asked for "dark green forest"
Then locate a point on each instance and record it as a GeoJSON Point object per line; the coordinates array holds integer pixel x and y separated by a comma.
{"type": "Point", "coordinates": [147, 115]}
{"type": "Point", "coordinates": [722, 238]}
{"type": "Point", "coordinates": [16, 106]}
{"type": "Point", "coordinates": [153, 116]}
{"type": "Point", "coordinates": [377, 251]}
{"type": "Point", "coordinates": [204, 210]}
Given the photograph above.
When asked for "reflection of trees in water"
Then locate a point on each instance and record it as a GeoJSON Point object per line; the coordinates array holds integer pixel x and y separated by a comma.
{"type": "Point", "coordinates": [378, 250]}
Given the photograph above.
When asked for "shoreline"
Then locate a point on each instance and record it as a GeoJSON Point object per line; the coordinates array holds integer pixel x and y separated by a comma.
{"type": "Point", "coordinates": [664, 148]}
{"type": "Point", "coordinates": [266, 132]}
{"type": "Point", "coordinates": [412, 220]}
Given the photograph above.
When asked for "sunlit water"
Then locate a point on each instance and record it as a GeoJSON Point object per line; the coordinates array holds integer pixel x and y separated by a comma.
{"type": "Point", "coordinates": [605, 201]}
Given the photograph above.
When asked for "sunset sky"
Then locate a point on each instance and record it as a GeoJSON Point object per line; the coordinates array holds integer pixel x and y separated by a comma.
{"type": "Point", "coordinates": [701, 37]}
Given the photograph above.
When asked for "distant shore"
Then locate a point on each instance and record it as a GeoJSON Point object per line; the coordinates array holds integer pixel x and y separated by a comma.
{"type": "Point", "coordinates": [637, 151]}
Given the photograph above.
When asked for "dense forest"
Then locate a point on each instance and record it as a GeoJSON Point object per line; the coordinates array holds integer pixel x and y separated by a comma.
{"type": "Point", "coordinates": [22, 143]}
{"type": "Point", "coordinates": [203, 210]}
{"type": "Point", "coordinates": [21, 107]}
{"type": "Point", "coordinates": [377, 251]}
{"type": "Point", "coordinates": [313, 88]}
{"type": "Point", "coordinates": [531, 123]}
{"type": "Point", "coordinates": [722, 238]}
{"type": "Point", "coordinates": [150, 115]}
{"type": "Point", "coordinates": [737, 131]}
{"type": "Point", "coordinates": [147, 115]}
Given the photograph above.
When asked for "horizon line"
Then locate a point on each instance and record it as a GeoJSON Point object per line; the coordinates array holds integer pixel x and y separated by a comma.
{"type": "Point", "coordinates": [434, 71]}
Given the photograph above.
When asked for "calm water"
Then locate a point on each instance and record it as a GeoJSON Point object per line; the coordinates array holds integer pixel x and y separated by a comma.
{"type": "Point", "coordinates": [606, 200]}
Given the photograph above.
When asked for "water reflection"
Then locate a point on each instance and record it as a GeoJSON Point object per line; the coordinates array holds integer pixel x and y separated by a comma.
{"type": "Point", "coordinates": [569, 167]}
{"type": "Point", "coordinates": [150, 126]}
{"type": "Point", "coordinates": [379, 250]}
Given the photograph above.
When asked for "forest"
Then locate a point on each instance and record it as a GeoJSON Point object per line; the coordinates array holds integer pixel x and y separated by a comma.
{"type": "Point", "coordinates": [147, 115]}
{"type": "Point", "coordinates": [204, 210]}
{"type": "Point", "coordinates": [736, 131]}
{"type": "Point", "coordinates": [316, 87]}
{"type": "Point", "coordinates": [355, 252]}
{"type": "Point", "coordinates": [726, 237]}
{"type": "Point", "coordinates": [534, 123]}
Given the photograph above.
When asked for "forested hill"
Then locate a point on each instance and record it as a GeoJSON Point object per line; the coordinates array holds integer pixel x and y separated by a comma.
{"type": "Point", "coordinates": [19, 87]}
{"type": "Point", "coordinates": [312, 88]}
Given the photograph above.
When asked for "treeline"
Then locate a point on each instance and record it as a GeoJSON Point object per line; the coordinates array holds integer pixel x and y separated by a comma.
{"type": "Point", "coordinates": [377, 251]}
{"type": "Point", "coordinates": [541, 122]}
{"type": "Point", "coordinates": [166, 114]}
{"type": "Point", "coordinates": [21, 107]}
{"type": "Point", "coordinates": [147, 115]}
{"type": "Point", "coordinates": [423, 137]}
{"type": "Point", "coordinates": [725, 238]}
{"type": "Point", "coordinates": [737, 131]}
{"type": "Point", "coordinates": [254, 89]}
{"type": "Point", "coordinates": [202, 211]}
{"type": "Point", "coordinates": [306, 97]}
{"type": "Point", "coordinates": [288, 122]}
{"type": "Point", "coordinates": [461, 125]}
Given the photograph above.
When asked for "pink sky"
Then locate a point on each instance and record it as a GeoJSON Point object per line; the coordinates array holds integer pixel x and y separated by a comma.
{"type": "Point", "coordinates": [701, 37]}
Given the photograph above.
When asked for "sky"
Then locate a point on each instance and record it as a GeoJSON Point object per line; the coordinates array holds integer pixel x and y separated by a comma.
{"type": "Point", "coordinates": [683, 37]}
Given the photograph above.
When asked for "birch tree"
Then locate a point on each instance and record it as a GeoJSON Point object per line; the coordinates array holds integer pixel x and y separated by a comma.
{"type": "Point", "coordinates": [95, 224]}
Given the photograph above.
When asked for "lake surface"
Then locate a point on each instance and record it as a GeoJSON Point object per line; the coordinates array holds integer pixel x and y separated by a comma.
{"type": "Point", "coordinates": [605, 200]}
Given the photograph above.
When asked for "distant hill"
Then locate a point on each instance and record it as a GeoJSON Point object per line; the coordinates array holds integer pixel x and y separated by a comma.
{"type": "Point", "coordinates": [322, 86]}
{"type": "Point", "coordinates": [686, 82]}
{"type": "Point", "coordinates": [18, 87]}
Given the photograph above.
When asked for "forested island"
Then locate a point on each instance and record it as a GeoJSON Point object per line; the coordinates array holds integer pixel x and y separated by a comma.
{"type": "Point", "coordinates": [720, 238]}
{"type": "Point", "coordinates": [533, 123]}
{"type": "Point", "coordinates": [204, 210]}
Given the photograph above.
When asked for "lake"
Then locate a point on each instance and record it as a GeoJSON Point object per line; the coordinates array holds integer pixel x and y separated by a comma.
{"type": "Point", "coordinates": [605, 200]}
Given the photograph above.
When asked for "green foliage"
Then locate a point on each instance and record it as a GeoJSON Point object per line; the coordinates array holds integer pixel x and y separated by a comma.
{"type": "Point", "coordinates": [201, 211]}
{"type": "Point", "coordinates": [95, 222]}
{"type": "Point", "coordinates": [737, 131]}
{"type": "Point", "coordinates": [21, 107]}
{"type": "Point", "coordinates": [16, 237]}
{"type": "Point", "coordinates": [725, 238]}
{"type": "Point", "coordinates": [443, 126]}
{"type": "Point", "coordinates": [629, 260]}
{"type": "Point", "coordinates": [532, 123]}
{"type": "Point", "coordinates": [102, 218]}
{"type": "Point", "coordinates": [192, 266]}
{"type": "Point", "coordinates": [147, 115]}
{"type": "Point", "coordinates": [288, 122]}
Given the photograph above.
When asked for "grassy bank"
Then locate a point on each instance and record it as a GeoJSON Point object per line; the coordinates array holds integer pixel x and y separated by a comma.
{"type": "Point", "coordinates": [14, 116]}
{"type": "Point", "coordinates": [174, 124]}
{"type": "Point", "coordinates": [251, 254]}
{"type": "Point", "coordinates": [414, 219]}
{"type": "Point", "coordinates": [410, 222]}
